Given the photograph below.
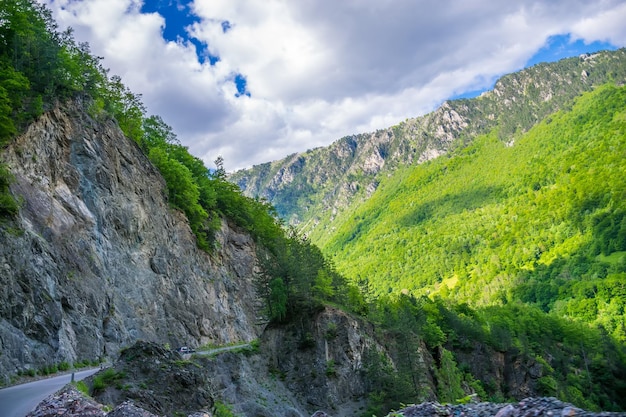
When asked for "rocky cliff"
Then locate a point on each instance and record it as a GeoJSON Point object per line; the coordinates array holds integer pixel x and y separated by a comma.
{"type": "Point", "coordinates": [311, 364]}
{"type": "Point", "coordinates": [97, 259]}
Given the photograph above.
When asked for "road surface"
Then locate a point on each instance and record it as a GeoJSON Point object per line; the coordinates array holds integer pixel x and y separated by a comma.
{"type": "Point", "coordinates": [19, 400]}
{"type": "Point", "coordinates": [223, 349]}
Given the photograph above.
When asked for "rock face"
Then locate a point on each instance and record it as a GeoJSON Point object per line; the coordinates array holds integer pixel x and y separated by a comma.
{"type": "Point", "coordinates": [97, 259]}
{"type": "Point", "coordinates": [311, 364]}
{"type": "Point", "coordinates": [67, 402]}
{"type": "Point", "coordinates": [323, 360]}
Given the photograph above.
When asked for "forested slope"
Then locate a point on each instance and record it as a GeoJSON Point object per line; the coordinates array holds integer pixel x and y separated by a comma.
{"type": "Point", "coordinates": [542, 221]}
{"type": "Point", "coordinates": [310, 188]}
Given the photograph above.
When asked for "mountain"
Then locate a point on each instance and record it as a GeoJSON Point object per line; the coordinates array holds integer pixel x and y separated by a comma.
{"type": "Point", "coordinates": [483, 196]}
{"type": "Point", "coordinates": [96, 259]}
{"type": "Point", "coordinates": [310, 189]}
{"type": "Point", "coordinates": [489, 206]}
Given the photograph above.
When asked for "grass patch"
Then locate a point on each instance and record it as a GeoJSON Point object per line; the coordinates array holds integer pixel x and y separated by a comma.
{"type": "Point", "coordinates": [82, 387]}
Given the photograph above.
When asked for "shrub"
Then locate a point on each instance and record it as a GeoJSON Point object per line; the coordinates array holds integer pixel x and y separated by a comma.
{"type": "Point", "coordinates": [331, 331]}
{"type": "Point", "coordinates": [330, 368]}
{"type": "Point", "coordinates": [107, 378]}
{"type": "Point", "coordinates": [222, 410]}
{"type": "Point", "coordinates": [82, 387]}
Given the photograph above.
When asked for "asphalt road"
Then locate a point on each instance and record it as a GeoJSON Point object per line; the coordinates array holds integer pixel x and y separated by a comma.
{"type": "Point", "coordinates": [19, 400]}
{"type": "Point", "coordinates": [222, 349]}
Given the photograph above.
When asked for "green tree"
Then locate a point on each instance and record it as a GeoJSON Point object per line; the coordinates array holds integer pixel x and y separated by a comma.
{"type": "Point", "coordinates": [8, 204]}
{"type": "Point", "coordinates": [448, 378]}
{"type": "Point", "coordinates": [278, 300]}
{"type": "Point", "coordinates": [14, 87]}
{"type": "Point", "coordinates": [126, 107]}
{"type": "Point", "coordinates": [323, 285]}
{"type": "Point", "coordinates": [183, 192]}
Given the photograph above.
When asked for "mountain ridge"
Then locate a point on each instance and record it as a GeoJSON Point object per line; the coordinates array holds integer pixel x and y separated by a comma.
{"type": "Point", "coordinates": [310, 188]}
{"type": "Point", "coordinates": [96, 259]}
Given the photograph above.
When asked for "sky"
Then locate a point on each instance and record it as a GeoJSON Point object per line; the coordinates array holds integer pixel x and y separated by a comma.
{"type": "Point", "coordinates": [256, 80]}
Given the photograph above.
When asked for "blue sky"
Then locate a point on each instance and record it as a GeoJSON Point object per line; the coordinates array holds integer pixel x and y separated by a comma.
{"type": "Point", "coordinates": [256, 81]}
{"type": "Point", "coordinates": [556, 47]}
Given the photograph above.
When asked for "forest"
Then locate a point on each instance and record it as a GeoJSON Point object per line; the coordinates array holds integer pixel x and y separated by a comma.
{"type": "Point", "coordinates": [520, 249]}
{"type": "Point", "coordinates": [541, 222]}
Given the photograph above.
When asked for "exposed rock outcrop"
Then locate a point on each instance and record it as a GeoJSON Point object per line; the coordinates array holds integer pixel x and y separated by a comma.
{"type": "Point", "coordinates": [97, 259]}
{"type": "Point", "coordinates": [68, 402]}
{"type": "Point", "coordinates": [529, 407]}
{"type": "Point", "coordinates": [316, 363]}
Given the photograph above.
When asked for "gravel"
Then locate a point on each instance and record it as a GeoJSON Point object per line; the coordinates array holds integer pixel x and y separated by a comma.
{"type": "Point", "coordinates": [529, 407]}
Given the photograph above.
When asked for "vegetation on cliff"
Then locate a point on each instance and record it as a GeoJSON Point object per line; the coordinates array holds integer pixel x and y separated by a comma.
{"type": "Point", "coordinates": [40, 66]}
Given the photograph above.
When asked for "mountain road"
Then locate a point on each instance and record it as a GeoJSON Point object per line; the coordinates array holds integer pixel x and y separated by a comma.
{"type": "Point", "coordinates": [19, 400]}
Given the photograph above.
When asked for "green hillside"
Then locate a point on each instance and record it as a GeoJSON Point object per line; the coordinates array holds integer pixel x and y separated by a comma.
{"type": "Point", "coordinates": [542, 221]}
{"type": "Point", "coordinates": [310, 189]}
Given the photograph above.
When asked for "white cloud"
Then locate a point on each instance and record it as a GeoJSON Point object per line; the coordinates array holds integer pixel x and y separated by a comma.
{"type": "Point", "coordinates": [319, 70]}
{"type": "Point", "coordinates": [606, 26]}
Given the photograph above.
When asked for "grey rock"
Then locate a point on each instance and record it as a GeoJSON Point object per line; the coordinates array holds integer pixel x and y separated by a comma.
{"type": "Point", "coordinates": [128, 409]}
{"type": "Point", "coordinates": [529, 407]}
{"type": "Point", "coordinates": [319, 414]}
{"type": "Point", "coordinates": [68, 402]}
{"type": "Point", "coordinates": [97, 258]}
{"type": "Point", "coordinates": [506, 411]}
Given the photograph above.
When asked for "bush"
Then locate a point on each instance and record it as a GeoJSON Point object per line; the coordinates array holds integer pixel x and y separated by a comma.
{"type": "Point", "coordinates": [222, 410]}
{"type": "Point", "coordinates": [330, 368]}
{"type": "Point", "coordinates": [331, 331]}
{"type": "Point", "coordinates": [8, 204]}
{"type": "Point", "coordinates": [106, 378]}
{"type": "Point", "coordinates": [82, 387]}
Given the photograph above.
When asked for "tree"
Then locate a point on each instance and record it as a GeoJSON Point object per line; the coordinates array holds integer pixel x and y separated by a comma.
{"type": "Point", "coordinates": [323, 286]}
{"type": "Point", "coordinates": [126, 107]}
{"type": "Point", "coordinates": [157, 134]}
{"type": "Point", "coordinates": [278, 299]}
{"type": "Point", "coordinates": [183, 192]}
{"type": "Point", "coordinates": [220, 172]}
{"type": "Point", "coordinates": [8, 205]}
{"type": "Point", "coordinates": [14, 90]}
{"type": "Point", "coordinates": [448, 378]}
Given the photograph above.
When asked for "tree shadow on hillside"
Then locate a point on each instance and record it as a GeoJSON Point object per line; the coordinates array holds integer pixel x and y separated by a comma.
{"type": "Point", "coordinates": [450, 204]}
